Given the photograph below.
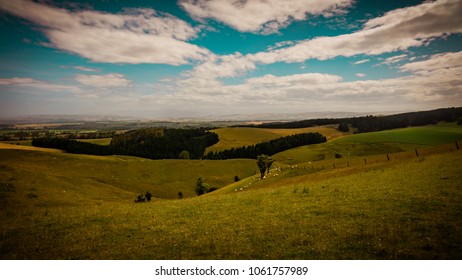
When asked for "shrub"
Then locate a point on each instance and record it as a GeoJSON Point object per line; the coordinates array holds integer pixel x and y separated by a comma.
{"type": "Point", "coordinates": [201, 187]}
{"type": "Point", "coordinates": [140, 198]}
{"type": "Point", "coordinates": [148, 196]}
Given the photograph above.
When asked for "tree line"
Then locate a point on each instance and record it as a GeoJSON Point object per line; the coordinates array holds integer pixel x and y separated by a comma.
{"type": "Point", "coordinates": [270, 147]}
{"type": "Point", "coordinates": [377, 123]}
{"type": "Point", "coordinates": [153, 143]}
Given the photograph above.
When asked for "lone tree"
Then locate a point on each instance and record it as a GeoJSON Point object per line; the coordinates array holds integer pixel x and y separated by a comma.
{"type": "Point", "coordinates": [264, 163]}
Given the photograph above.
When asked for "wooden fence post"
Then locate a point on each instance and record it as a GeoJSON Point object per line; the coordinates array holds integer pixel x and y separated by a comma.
{"type": "Point", "coordinates": [416, 153]}
{"type": "Point", "coordinates": [457, 145]}
{"type": "Point", "coordinates": [388, 157]}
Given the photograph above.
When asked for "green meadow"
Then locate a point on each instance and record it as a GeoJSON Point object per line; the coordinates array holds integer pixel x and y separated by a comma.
{"type": "Point", "coordinates": [63, 206]}
{"type": "Point", "coordinates": [235, 137]}
{"type": "Point", "coordinates": [375, 143]}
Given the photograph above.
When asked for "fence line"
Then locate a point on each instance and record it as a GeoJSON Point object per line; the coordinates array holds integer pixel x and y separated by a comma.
{"type": "Point", "coordinates": [336, 163]}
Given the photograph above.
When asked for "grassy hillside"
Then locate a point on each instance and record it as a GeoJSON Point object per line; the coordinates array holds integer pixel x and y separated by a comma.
{"type": "Point", "coordinates": [397, 210]}
{"type": "Point", "coordinates": [234, 137]}
{"type": "Point", "coordinates": [64, 206]}
{"type": "Point", "coordinates": [374, 143]}
{"type": "Point", "coordinates": [99, 141]}
{"type": "Point", "coordinates": [47, 171]}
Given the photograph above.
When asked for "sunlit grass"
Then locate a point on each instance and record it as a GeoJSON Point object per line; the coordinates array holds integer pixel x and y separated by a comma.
{"type": "Point", "coordinates": [234, 137]}
{"type": "Point", "coordinates": [64, 206]}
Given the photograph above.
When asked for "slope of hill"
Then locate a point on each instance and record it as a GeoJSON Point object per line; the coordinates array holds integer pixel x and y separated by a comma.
{"type": "Point", "coordinates": [45, 171]}
{"type": "Point", "coordinates": [374, 143]}
{"type": "Point", "coordinates": [398, 210]}
{"type": "Point", "coordinates": [235, 137]}
{"type": "Point", "coordinates": [65, 206]}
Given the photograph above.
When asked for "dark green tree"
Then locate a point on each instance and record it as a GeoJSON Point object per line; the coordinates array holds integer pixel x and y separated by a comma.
{"type": "Point", "coordinates": [264, 163]}
{"type": "Point", "coordinates": [184, 155]}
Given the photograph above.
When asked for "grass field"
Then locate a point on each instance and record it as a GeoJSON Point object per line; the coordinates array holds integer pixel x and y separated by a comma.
{"type": "Point", "coordinates": [234, 137]}
{"type": "Point", "coordinates": [62, 206]}
{"type": "Point", "coordinates": [408, 210]}
{"type": "Point", "coordinates": [163, 178]}
{"type": "Point", "coordinates": [99, 141]}
{"type": "Point", "coordinates": [374, 143]}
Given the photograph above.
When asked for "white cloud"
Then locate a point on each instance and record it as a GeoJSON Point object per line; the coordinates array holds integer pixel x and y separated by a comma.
{"type": "Point", "coordinates": [451, 61]}
{"type": "Point", "coordinates": [18, 81]}
{"type": "Point", "coordinates": [225, 66]}
{"type": "Point", "coordinates": [86, 69]}
{"type": "Point", "coordinates": [395, 59]}
{"type": "Point", "coordinates": [361, 61]}
{"type": "Point", "coordinates": [396, 30]}
{"type": "Point", "coordinates": [433, 82]}
{"type": "Point", "coordinates": [263, 16]}
{"type": "Point", "coordinates": [411, 28]}
{"type": "Point", "coordinates": [103, 81]}
{"type": "Point", "coordinates": [308, 79]}
{"type": "Point", "coordinates": [134, 36]}
{"type": "Point", "coordinates": [36, 84]}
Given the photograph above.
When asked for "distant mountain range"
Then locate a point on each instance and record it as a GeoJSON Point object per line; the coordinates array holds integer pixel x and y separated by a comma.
{"type": "Point", "coordinates": [269, 117]}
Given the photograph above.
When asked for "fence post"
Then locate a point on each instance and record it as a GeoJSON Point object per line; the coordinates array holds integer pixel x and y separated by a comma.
{"type": "Point", "coordinates": [388, 157]}
{"type": "Point", "coordinates": [365, 161]}
{"type": "Point", "coordinates": [416, 153]}
{"type": "Point", "coordinates": [457, 145]}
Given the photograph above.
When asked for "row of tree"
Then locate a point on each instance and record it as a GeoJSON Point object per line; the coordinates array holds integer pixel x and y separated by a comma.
{"type": "Point", "coordinates": [72, 146]}
{"type": "Point", "coordinates": [270, 147]}
{"type": "Point", "coordinates": [378, 123]}
{"type": "Point", "coordinates": [153, 143]}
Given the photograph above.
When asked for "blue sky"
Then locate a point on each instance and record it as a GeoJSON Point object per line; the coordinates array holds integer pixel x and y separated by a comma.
{"type": "Point", "coordinates": [185, 58]}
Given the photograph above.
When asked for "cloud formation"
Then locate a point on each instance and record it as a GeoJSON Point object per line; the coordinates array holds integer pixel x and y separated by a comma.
{"type": "Point", "coordinates": [36, 84]}
{"type": "Point", "coordinates": [432, 82]}
{"type": "Point", "coordinates": [262, 16]}
{"type": "Point", "coordinates": [397, 30]}
{"type": "Point", "coordinates": [103, 81]}
{"type": "Point", "coordinates": [133, 36]}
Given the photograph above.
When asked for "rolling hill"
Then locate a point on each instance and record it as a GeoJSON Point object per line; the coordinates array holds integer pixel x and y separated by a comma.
{"type": "Point", "coordinates": [63, 206]}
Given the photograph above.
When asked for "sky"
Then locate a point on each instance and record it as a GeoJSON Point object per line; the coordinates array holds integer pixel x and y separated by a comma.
{"type": "Point", "coordinates": [200, 58]}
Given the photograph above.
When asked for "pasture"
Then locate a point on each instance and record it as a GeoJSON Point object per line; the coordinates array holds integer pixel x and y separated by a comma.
{"type": "Point", "coordinates": [374, 143]}
{"type": "Point", "coordinates": [235, 137]}
{"type": "Point", "coordinates": [64, 206]}
{"type": "Point", "coordinates": [404, 210]}
{"type": "Point", "coordinates": [46, 171]}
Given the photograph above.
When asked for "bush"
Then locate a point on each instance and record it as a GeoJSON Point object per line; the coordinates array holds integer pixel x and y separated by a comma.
{"type": "Point", "coordinates": [201, 187]}
{"type": "Point", "coordinates": [140, 198]}
{"type": "Point", "coordinates": [148, 196]}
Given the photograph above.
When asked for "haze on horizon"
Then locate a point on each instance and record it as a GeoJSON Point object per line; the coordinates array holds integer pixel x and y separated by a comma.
{"type": "Point", "coordinates": [185, 58]}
